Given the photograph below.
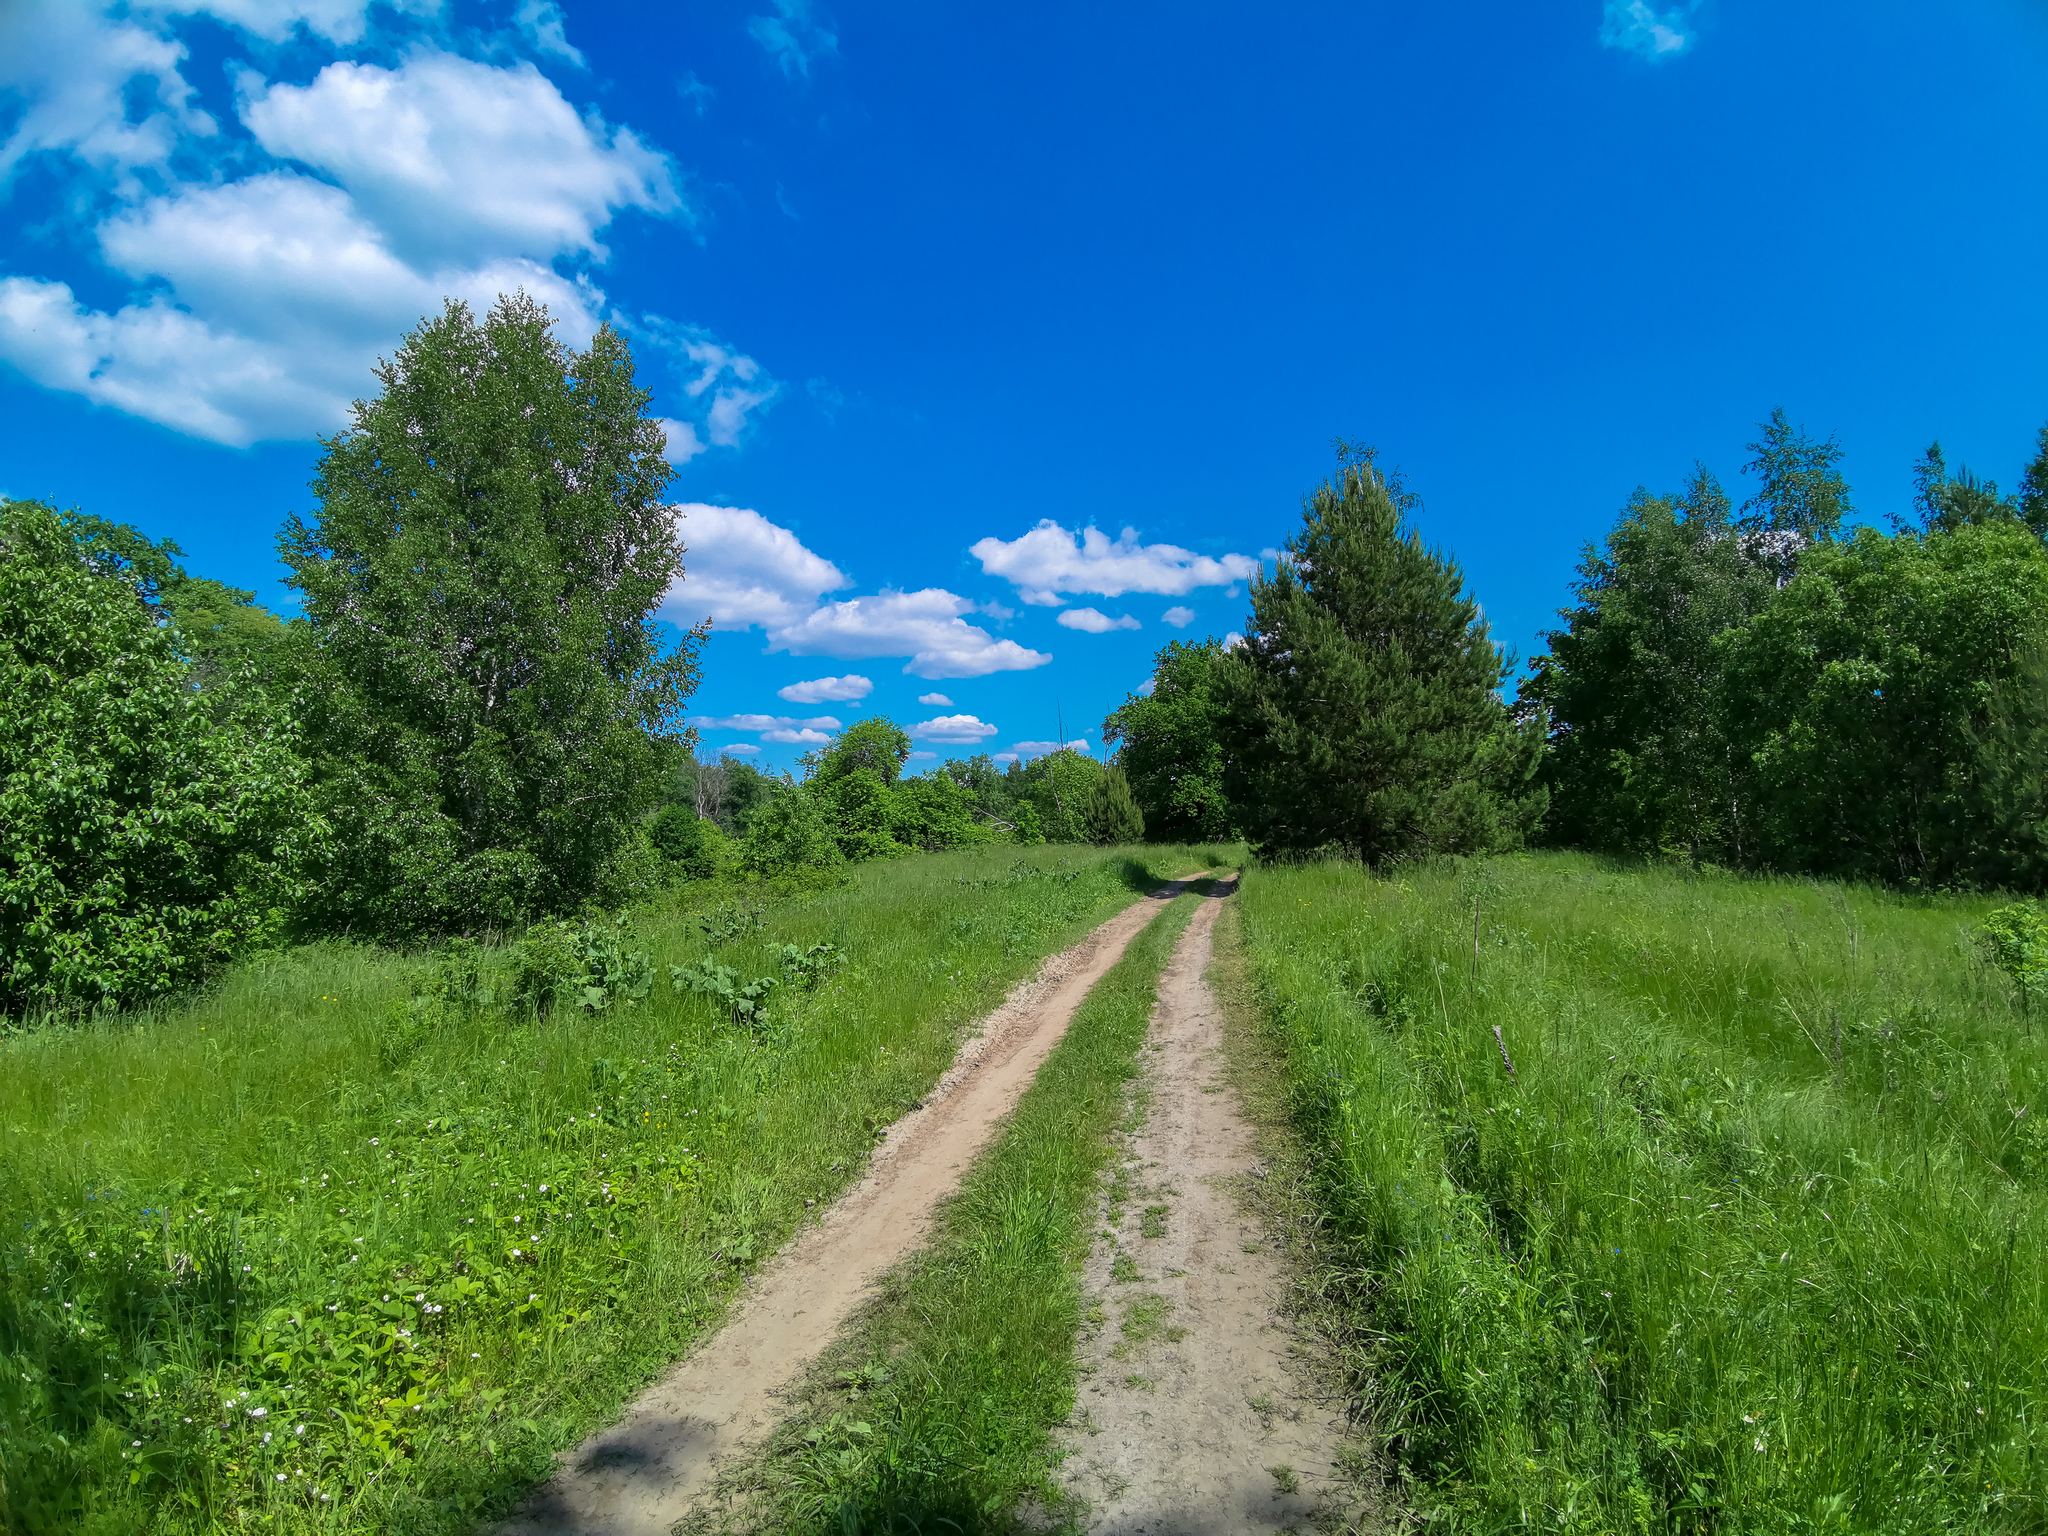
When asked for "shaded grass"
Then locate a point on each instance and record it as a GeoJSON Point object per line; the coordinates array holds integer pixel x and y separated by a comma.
{"type": "Point", "coordinates": [446, 1244]}
{"type": "Point", "coordinates": [936, 1412]}
{"type": "Point", "coordinates": [1748, 1236]}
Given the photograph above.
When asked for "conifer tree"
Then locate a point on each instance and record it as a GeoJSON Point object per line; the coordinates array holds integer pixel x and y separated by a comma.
{"type": "Point", "coordinates": [1111, 814]}
{"type": "Point", "coordinates": [1364, 711]}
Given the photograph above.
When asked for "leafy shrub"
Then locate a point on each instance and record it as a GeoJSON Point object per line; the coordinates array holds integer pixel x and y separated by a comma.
{"type": "Point", "coordinates": [148, 833]}
{"type": "Point", "coordinates": [789, 831]}
{"type": "Point", "coordinates": [2017, 939]}
{"type": "Point", "coordinates": [584, 965]}
{"type": "Point", "coordinates": [691, 845]}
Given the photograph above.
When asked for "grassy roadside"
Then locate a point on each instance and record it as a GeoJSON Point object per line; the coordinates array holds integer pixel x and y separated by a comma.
{"type": "Point", "coordinates": [298, 1256]}
{"type": "Point", "coordinates": [1321, 1303]}
{"type": "Point", "coordinates": [936, 1410]}
{"type": "Point", "coordinates": [1687, 1203]}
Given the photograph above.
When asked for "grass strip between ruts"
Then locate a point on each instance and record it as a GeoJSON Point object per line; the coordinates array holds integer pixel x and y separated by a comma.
{"type": "Point", "coordinates": [937, 1409]}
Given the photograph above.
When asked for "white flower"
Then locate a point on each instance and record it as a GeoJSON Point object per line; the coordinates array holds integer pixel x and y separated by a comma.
{"type": "Point", "coordinates": [258, 1413]}
{"type": "Point", "coordinates": [280, 1477]}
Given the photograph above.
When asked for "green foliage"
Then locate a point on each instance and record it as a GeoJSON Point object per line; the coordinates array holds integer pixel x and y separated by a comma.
{"type": "Point", "coordinates": [2016, 937]}
{"type": "Point", "coordinates": [1059, 787]}
{"type": "Point", "coordinates": [860, 808]}
{"type": "Point", "coordinates": [1168, 742]}
{"type": "Point", "coordinates": [148, 834]}
{"type": "Point", "coordinates": [789, 831]}
{"type": "Point", "coordinates": [1110, 815]}
{"type": "Point", "coordinates": [876, 746]}
{"type": "Point", "coordinates": [469, 1233]}
{"type": "Point", "coordinates": [1641, 759]}
{"type": "Point", "coordinates": [584, 966]}
{"type": "Point", "coordinates": [482, 673]}
{"type": "Point", "coordinates": [691, 844]}
{"type": "Point", "coordinates": [1754, 1238]}
{"type": "Point", "coordinates": [1859, 695]}
{"type": "Point", "coordinates": [1800, 489]}
{"type": "Point", "coordinates": [1363, 707]}
{"type": "Point", "coordinates": [934, 811]}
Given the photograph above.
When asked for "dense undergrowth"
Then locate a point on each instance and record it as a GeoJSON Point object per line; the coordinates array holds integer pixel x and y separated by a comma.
{"type": "Point", "coordinates": [349, 1243]}
{"type": "Point", "coordinates": [936, 1411]}
{"type": "Point", "coordinates": [1672, 1202]}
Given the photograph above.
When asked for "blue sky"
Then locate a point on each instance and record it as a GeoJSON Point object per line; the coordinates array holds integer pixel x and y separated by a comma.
{"type": "Point", "coordinates": [929, 291]}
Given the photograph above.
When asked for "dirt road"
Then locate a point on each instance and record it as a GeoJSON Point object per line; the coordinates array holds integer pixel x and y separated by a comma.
{"type": "Point", "coordinates": [639, 1477]}
{"type": "Point", "coordinates": [1192, 1417]}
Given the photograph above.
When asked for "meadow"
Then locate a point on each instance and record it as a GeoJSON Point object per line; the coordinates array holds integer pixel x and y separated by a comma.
{"type": "Point", "coordinates": [1673, 1201]}
{"type": "Point", "coordinates": [356, 1240]}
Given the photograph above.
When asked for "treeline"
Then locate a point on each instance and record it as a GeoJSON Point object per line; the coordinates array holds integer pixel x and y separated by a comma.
{"type": "Point", "coordinates": [475, 721]}
{"type": "Point", "coordinates": [1764, 686]}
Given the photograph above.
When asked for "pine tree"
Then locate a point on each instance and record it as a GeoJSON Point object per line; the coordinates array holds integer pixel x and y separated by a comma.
{"type": "Point", "coordinates": [1111, 815]}
{"type": "Point", "coordinates": [1363, 711]}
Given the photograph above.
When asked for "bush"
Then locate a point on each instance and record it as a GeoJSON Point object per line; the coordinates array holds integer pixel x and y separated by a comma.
{"type": "Point", "coordinates": [788, 831]}
{"type": "Point", "coordinates": [148, 832]}
{"type": "Point", "coordinates": [691, 846]}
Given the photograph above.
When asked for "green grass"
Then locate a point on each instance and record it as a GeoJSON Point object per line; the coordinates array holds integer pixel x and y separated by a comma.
{"type": "Point", "coordinates": [446, 1244]}
{"type": "Point", "coordinates": [937, 1411]}
{"type": "Point", "coordinates": [1752, 1239]}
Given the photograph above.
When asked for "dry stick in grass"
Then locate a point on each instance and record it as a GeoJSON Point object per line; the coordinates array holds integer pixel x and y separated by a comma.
{"type": "Point", "coordinates": [1501, 1041]}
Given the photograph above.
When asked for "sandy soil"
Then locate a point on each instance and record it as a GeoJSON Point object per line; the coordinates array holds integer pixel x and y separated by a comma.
{"type": "Point", "coordinates": [639, 1477]}
{"type": "Point", "coordinates": [1191, 1415]}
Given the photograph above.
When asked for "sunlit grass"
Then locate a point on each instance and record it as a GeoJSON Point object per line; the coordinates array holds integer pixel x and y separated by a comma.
{"type": "Point", "coordinates": [1749, 1237]}
{"type": "Point", "coordinates": [299, 1195]}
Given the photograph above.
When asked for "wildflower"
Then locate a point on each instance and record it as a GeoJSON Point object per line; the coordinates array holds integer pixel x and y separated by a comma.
{"type": "Point", "coordinates": [280, 1477]}
{"type": "Point", "coordinates": [1759, 1442]}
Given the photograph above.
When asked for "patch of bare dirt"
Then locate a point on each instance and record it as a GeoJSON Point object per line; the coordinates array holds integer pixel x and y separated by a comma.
{"type": "Point", "coordinates": [1195, 1412]}
{"type": "Point", "coordinates": [640, 1476]}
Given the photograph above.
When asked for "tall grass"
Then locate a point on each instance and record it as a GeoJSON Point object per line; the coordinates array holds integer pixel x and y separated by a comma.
{"type": "Point", "coordinates": [298, 1256]}
{"type": "Point", "coordinates": [1683, 1203]}
{"type": "Point", "coordinates": [936, 1411]}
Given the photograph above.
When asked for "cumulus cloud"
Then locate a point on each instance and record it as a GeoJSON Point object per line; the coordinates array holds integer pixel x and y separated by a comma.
{"type": "Point", "coordinates": [1091, 622]}
{"type": "Point", "coordinates": [1041, 748]}
{"type": "Point", "coordinates": [739, 748]}
{"type": "Point", "coordinates": [1178, 617]}
{"type": "Point", "coordinates": [780, 729]}
{"type": "Point", "coordinates": [267, 284]}
{"type": "Point", "coordinates": [924, 757]}
{"type": "Point", "coordinates": [1049, 561]}
{"type": "Point", "coordinates": [793, 37]}
{"type": "Point", "coordinates": [742, 571]}
{"type": "Point", "coordinates": [925, 625]}
{"type": "Point", "coordinates": [960, 730]}
{"type": "Point", "coordinates": [838, 690]}
{"type": "Point", "coordinates": [934, 698]}
{"type": "Point", "coordinates": [1641, 28]}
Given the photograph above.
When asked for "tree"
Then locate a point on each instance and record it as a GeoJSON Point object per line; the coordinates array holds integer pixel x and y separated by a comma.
{"type": "Point", "coordinates": [789, 831]}
{"type": "Point", "coordinates": [478, 585]}
{"type": "Point", "coordinates": [1165, 740]}
{"type": "Point", "coordinates": [1947, 502]}
{"type": "Point", "coordinates": [1057, 786]}
{"type": "Point", "coordinates": [1862, 692]}
{"type": "Point", "coordinates": [1800, 488]}
{"type": "Point", "coordinates": [1110, 815]}
{"type": "Point", "coordinates": [877, 745]}
{"type": "Point", "coordinates": [1362, 711]}
{"type": "Point", "coordinates": [149, 833]}
{"type": "Point", "coordinates": [2033, 497]}
{"type": "Point", "coordinates": [934, 811]}
{"type": "Point", "coordinates": [1640, 760]}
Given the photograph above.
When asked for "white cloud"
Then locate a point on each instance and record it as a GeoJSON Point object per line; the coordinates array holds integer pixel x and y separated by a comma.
{"type": "Point", "coordinates": [763, 723]}
{"type": "Point", "coordinates": [740, 748]}
{"type": "Point", "coordinates": [1049, 560]}
{"type": "Point", "coordinates": [683, 442]}
{"type": "Point", "coordinates": [540, 21]}
{"type": "Point", "coordinates": [801, 736]}
{"type": "Point", "coordinates": [742, 570]}
{"type": "Point", "coordinates": [1094, 623]}
{"type": "Point", "coordinates": [934, 698]}
{"type": "Point", "coordinates": [264, 295]}
{"type": "Point", "coordinates": [452, 159]}
{"type": "Point", "coordinates": [1041, 748]}
{"type": "Point", "coordinates": [924, 625]}
{"type": "Point", "coordinates": [924, 757]}
{"type": "Point", "coordinates": [1232, 641]}
{"type": "Point", "coordinates": [1004, 757]}
{"type": "Point", "coordinates": [793, 37]}
{"type": "Point", "coordinates": [961, 730]}
{"type": "Point", "coordinates": [1641, 28]}
{"type": "Point", "coordinates": [838, 690]}
{"type": "Point", "coordinates": [1179, 618]}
